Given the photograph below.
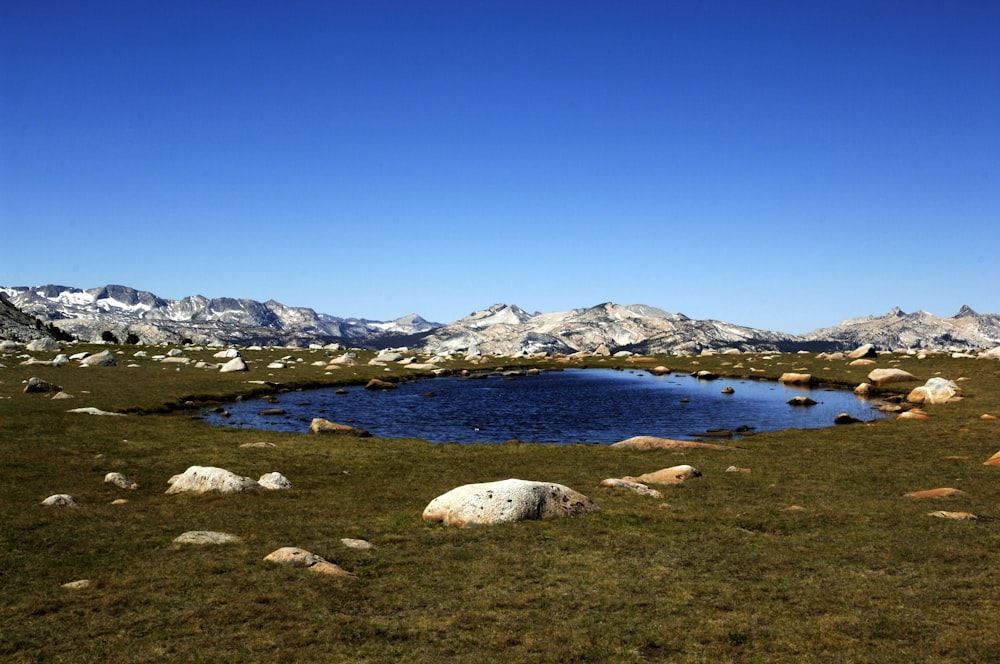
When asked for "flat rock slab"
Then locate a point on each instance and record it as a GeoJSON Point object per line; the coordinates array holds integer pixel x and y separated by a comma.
{"type": "Point", "coordinates": [90, 410]}
{"type": "Point", "coordinates": [635, 487]}
{"type": "Point", "coordinates": [654, 443]}
{"type": "Point", "coordinates": [879, 377]}
{"type": "Point", "coordinates": [205, 537]}
{"type": "Point", "coordinates": [672, 475]}
{"type": "Point", "coordinates": [943, 492]}
{"type": "Point", "coordinates": [296, 557]}
{"type": "Point", "coordinates": [506, 501]}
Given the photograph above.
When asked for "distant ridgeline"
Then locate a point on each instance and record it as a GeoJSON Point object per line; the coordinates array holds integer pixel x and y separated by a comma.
{"type": "Point", "coordinates": [119, 314]}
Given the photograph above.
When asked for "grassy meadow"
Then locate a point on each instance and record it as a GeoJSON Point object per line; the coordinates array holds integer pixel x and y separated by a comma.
{"type": "Point", "coordinates": [719, 569]}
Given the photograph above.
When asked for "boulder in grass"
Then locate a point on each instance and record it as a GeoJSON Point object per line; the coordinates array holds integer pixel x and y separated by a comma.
{"type": "Point", "coordinates": [102, 359]}
{"type": "Point", "coordinates": [867, 350]}
{"type": "Point", "coordinates": [936, 390]}
{"type": "Point", "coordinates": [956, 516]}
{"type": "Point", "coordinates": [60, 500]}
{"type": "Point", "coordinates": [296, 557]}
{"type": "Point", "coordinates": [205, 537]}
{"type": "Point", "coordinates": [506, 501]}
{"type": "Point", "coordinates": [635, 487]}
{"type": "Point", "coordinates": [654, 443]}
{"type": "Point", "coordinates": [207, 479]}
{"type": "Point", "coordinates": [235, 364]}
{"type": "Point", "coordinates": [120, 481]}
{"type": "Point", "coordinates": [37, 385]}
{"type": "Point", "coordinates": [274, 482]}
{"type": "Point", "coordinates": [993, 461]}
{"type": "Point", "coordinates": [944, 492]}
{"type": "Point", "coordinates": [793, 378]}
{"type": "Point", "coordinates": [672, 475]}
{"type": "Point", "coordinates": [326, 427]}
{"type": "Point", "coordinates": [880, 377]}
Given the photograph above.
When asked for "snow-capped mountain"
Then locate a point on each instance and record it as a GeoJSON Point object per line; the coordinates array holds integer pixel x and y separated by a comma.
{"type": "Point", "coordinates": [120, 313]}
{"type": "Point", "coordinates": [125, 314]}
{"type": "Point", "coordinates": [508, 330]}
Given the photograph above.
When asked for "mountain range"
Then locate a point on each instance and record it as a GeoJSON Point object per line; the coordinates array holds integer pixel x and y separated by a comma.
{"type": "Point", "coordinates": [122, 314]}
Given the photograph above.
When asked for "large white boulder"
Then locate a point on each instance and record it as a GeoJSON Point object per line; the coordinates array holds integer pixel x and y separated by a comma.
{"type": "Point", "coordinates": [935, 390]}
{"type": "Point", "coordinates": [208, 479]}
{"type": "Point", "coordinates": [506, 501]}
{"type": "Point", "coordinates": [235, 364]}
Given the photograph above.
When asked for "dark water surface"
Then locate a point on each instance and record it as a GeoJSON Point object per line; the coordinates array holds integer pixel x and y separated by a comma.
{"type": "Point", "coordinates": [562, 407]}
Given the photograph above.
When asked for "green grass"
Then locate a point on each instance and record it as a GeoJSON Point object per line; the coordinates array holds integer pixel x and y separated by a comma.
{"type": "Point", "coordinates": [716, 570]}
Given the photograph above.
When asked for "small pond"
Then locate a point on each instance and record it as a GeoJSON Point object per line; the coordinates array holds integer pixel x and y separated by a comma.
{"type": "Point", "coordinates": [599, 406]}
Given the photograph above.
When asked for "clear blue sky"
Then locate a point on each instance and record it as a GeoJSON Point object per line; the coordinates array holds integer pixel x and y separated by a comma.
{"type": "Point", "coordinates": [783, 165]}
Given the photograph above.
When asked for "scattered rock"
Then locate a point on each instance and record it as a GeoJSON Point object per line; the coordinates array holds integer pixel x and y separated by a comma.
{"type": "Point", "coordinates": [376, 384]}
{"type": "Point", "coordinates": [102, 359]}
{"type": "Point", "coordinates": [844, 418]}
{"type": "Point", "coordinates": [672, 475]}
{"type": "Point", "coordinates": [205, 537]}
{"type": "Point", "coordinates": [235, 364]}
{"type": "Point", "coordinates": [256, 445]}
{"type": "Point", "coordinates": [863, 389]}
{"type": "Point", "coordinates": [801, 401]}
{"type": "Point", "coordinates": [506, 501]}
{"type": "Point", "coordinates": [90, 410]}
{"type": "Point", "coordinates": [862, 363]}
{"type": "Point", "coordinates": [913, 414]}
{"type": "Point", "coordinates": [987, 416]}
{"type": "Point", "coordinates": [36, 385]}
{"type": "Point", "coordinates": [274, 481]}
{"type": "Point", "coordinates": [654, 443]}
{"type": "Point", "coordinates": [363, 545]}
{"type": "Point", "coordinates": [637, 487]}
{"type": "Point", "coordinates": [290, 555]}
{"type": "Point", "coordinates": [728, 390]}
{"type": "Point", "coordinates": [207, 479]}
{"type": "Point", "coordinates": [62, 396]}
{"type": "Point", "coordinates": [45, 344]}
{"type": "Point", "coordinates": [271, 411]}
{"type": "Point", "coordinates": [60, 500]}
{"type": "Point", "coordinates": [944, 492]}
{"type": "Point", "coordinates": [796, 378]}
{"type": "Point", "coordinates": [659, 371]}
{"type": "Point", "coordinates": [77, 585]}
{"type": "Point", "coordinates": [993, 461]}
{"type": "Point", "coordinates": [737, 469]}
{"type": "Point", "coordinates": [120, 481]}
{"type": "Point", "coordinates": [867, 350]}
{"type": "Point", "coordinates": [705, 375]}
{"type": "Point", "coordinates": [880, 377]}
{"type": "Point", "coordinates": [935, 391]}
{"type": "Point", "coordinates": [958, 516]}
{"type": "Point", "coordinates": [326, 427]}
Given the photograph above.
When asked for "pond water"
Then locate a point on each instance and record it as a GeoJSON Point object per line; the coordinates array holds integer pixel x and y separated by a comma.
{"type": "Point", "coordinates": [563, 407]}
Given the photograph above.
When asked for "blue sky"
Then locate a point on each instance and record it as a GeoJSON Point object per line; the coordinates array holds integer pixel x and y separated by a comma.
{"type": "Point", "coordinates": [783, 165]}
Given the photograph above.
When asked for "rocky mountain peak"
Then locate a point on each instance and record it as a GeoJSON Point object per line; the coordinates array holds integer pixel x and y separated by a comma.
{"type": "Point", "coordinates": [965, 312]}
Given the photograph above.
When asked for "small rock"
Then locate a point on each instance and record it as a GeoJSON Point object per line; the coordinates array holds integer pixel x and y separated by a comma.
{"type": "Point", "coordinates": [120, 481]}
{"type": "Point", "coordinates": [672, 475]}
{"type": "Point", "coordinates": [737, 469]}
{"type": "Point", "coordinates": [506, 501]}
{"type": "Point", "coordinates": [77, 585]}
{"type": "Point", "coordinates": [659, 371]}
{"type": "Point", "coordinates": [913, 414]}
{"type": "Point", "coordinates": [376, 384]}
{"type": "Point", "coordinates": [296, 557]}
{"type": "Point", "coordinates": [60, 500]}
{"type": "Point", "coordinates": [636, 487]}
{"type": "Point", "coordinates": [360, 544]}
{"type": "Point", "coordinates": [235, 364]}
{"type": "Point", "coordinates": [274, 482]}
{"type": "Point", "coordinates": [944, 492]}
{"type": "Point", "coordinates": [844, 418]}
{"type": "Point", "coordinates": [37, 385]}
{"type": "Point", "coordinates": [326, 427]}
{"type": "Point", "coordinates": [102, 359]}
{"type": "Point", "coordinates": [958, 516]}
{"type": "Point", "coordinates": [90, 410]}
{"type": "Point", "coordinates": [259, 444]}
{"type": "Point", "coordinates": [801, 401]}
{"type": "Point", "coordinates": [205, 537]}
{"type": "Point", "coordinates": [796, 378]}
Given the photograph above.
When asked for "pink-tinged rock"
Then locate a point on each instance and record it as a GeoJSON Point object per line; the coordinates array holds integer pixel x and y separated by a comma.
{"type": "Point", "coordinates": [296, 557]}
{"type": "Point", "coordinates": [944, 492]}
{"type": "Point", "coordinates": [672, 475]}
{"type": "Point", "coordinates": [880, 377]}
{"type": "Point", "coordinates": [506, 501]}
{"type": "Point", "coordinates": [654, 443]}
